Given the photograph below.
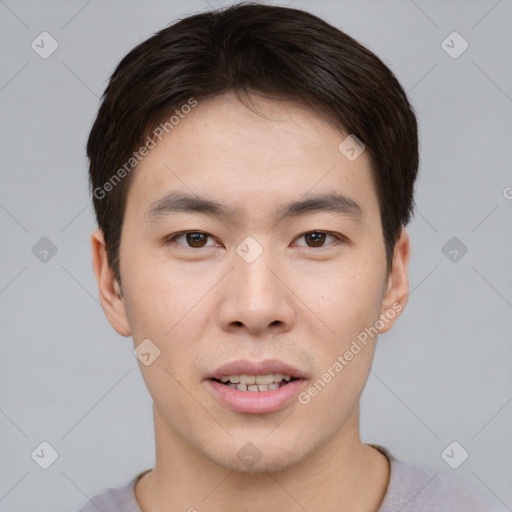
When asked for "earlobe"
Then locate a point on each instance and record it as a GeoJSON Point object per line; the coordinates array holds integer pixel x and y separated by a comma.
{"type": "Point", "coordinates": [108, 288]}
{"type": "Point", "coordinates": [397, 291]}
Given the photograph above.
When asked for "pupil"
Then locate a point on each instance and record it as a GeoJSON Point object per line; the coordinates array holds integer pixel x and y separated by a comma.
{"type": "Point", "coordinates": [195, 239]}
{"type": "Point", "coordinates": [317, 238]}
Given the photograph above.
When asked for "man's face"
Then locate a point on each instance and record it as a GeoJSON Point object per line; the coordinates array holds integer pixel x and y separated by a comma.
{"type": "Point", "coordinates": [254, 286]}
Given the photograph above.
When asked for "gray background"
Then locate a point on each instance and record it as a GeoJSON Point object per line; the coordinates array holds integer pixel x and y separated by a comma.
{"type": "Point", "coordinates": [442, 374]}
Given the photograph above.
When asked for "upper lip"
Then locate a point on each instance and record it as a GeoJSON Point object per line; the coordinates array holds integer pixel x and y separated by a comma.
{"type": "Point", "coordinates": [247, 367]}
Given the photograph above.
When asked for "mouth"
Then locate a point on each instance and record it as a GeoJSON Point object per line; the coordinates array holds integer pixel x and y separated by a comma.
{"type": "Point", "coordinates": [256, 387]}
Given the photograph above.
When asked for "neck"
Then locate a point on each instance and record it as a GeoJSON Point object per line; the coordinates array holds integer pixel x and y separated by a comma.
{"type": "Point", "coordinates": [343, 475]}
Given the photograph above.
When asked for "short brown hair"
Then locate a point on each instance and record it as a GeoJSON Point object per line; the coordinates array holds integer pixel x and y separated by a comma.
{"type": "Point", "coordinates": [278, 52]}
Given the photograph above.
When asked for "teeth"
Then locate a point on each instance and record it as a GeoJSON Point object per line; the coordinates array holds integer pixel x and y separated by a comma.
{"type": "Point", "coordinates": [265, 379]}
{"type": "Point", "coordinates": [254, 387]}
{"type": "Point", "coordinates": [261, 380]}
{"type": "Point", "coordinates": [235, 379]}
{"type": "Point", "coordinates": [247, 379]}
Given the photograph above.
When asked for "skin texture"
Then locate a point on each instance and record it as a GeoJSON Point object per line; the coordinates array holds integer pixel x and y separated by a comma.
{"type": "Point", "coordinates": [297, 302]}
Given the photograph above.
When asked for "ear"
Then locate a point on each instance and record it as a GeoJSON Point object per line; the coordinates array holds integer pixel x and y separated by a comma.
{"type": "Point", "coordinates": [109, 290]}
{"type": "Point", "coordinates": [397, 291]}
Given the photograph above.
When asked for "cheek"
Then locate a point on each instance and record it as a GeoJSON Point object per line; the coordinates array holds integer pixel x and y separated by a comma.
{"type": "Point", "coordinates": [343, 359]}
{"type": "Point", "coordinates": [164, 305]}
{"type": "Point", "coordinates": [350, 304]}
{"type": "Point", "coordinates": [345, 302]}
{"type": "Point", "coordinates": [157, 296]}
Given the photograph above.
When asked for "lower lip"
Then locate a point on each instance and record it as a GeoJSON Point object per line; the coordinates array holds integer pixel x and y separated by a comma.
{"type": "Point", "coordinates": [255, 402]}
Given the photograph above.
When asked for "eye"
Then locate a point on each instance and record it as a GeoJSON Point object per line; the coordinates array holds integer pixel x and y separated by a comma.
{"type": "Point", "coordinates": [199, 239]}
{"type": "Point", "coordinates": [193, 239]}
{"type": "Point", "coordinates": [317, 238]}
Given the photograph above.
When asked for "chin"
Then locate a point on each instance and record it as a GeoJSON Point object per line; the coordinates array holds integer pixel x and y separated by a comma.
{"type": "Point", "coordinates": [259, 457]}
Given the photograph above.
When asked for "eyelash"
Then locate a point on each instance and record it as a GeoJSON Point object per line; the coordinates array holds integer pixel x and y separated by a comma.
{"type": "Point", "coordinates": [172, 238]}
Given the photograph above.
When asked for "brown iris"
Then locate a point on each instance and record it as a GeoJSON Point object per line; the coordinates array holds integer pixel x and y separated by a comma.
{"type": "Point", "coordinates": [316, 237]}
{"type": "Point", "coordinates": [196, 239]}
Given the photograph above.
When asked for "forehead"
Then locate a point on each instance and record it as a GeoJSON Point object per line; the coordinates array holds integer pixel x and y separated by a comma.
{"type": "Point", "coordinates": [249, 160]}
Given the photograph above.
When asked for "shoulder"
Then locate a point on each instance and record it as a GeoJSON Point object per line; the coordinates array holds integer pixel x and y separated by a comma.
{"type": "Point", "coordinates": [119, 499]}
{"type": "Point", "coordinates": [414, 488]}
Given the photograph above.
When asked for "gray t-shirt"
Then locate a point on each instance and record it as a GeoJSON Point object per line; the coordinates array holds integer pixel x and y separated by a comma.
{"type": "Point", "coordinates": [411, 488]}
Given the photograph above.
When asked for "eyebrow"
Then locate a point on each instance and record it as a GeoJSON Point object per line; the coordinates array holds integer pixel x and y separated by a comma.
{"type": "Point", "coordinates": [175, 202]}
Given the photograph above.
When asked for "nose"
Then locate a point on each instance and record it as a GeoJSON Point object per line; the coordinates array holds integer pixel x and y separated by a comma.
{"type": "Point", "coordinates": [256, 299]}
